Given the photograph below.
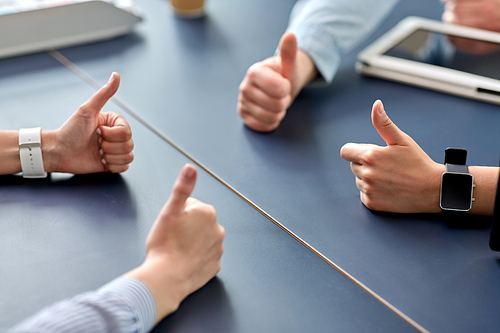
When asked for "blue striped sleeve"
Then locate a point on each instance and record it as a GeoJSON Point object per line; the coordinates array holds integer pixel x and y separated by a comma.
{"type": "Point", "coordinates": [123, 305]}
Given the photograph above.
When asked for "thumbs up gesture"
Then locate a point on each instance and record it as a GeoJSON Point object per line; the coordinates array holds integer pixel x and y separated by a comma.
{"type": "Point", "coordinates": [184, 247]}
{"type": "Point", "coordinates": [90, 141]}
{"type": "Point", "coordinates": [400, 177]}
{"type": "Point", "coordinates": [270, 86]}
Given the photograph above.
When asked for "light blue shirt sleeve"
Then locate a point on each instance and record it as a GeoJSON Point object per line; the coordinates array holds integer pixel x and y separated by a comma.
{"type": "Point", "coordinates": [123, 305]}
{"type": "Point", "coordinates": [327, 29]}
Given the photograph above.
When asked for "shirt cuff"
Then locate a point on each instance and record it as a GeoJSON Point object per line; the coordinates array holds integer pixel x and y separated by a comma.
{"type": "Point", "coordinates": [137, 296]}
{"type": "Point", "coordinates": [321, 47]}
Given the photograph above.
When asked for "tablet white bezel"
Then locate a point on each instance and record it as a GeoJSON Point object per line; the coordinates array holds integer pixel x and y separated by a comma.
{"type": "Point", "coordinates": [373, 62]}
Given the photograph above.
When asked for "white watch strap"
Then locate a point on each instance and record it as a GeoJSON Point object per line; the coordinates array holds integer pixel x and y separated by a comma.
{"type": "Point", "coordinates": [30, 152]}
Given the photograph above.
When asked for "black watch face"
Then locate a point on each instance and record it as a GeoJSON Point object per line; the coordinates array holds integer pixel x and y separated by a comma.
{"type": "Point", "coordinates": [456, 191]}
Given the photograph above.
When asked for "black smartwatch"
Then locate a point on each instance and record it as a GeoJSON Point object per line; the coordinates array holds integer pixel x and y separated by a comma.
{"type": "Point", "coordinates": [456, 183]}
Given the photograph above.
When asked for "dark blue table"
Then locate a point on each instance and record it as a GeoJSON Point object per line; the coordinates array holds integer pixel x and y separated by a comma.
{"type": "Point", "coordinates": [182, 77]}
{"type": "Point", "coordinates": [68, 234]}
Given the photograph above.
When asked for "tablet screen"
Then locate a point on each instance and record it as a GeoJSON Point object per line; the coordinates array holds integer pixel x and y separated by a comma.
{"type": "Point", "coordinates": [459, 53]}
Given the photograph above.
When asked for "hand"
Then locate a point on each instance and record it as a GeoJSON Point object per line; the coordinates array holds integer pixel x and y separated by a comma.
{"type": "Point", "coordinates": [270, 86]}
{"type": "Point", "coordinates": [481, 14]}
{"type": "Point", "coordinates": [90, 141]}
{"type": "Point", "coordinates": [184, 247]}
{"type": "Point", "coordinates": [399, 178]}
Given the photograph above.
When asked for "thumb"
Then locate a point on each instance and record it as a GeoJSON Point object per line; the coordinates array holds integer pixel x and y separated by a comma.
{"type": "Point", "coordinates": [182, 189]}
{"type": "Point", "coordinates": [391, 134]}
{"type": "Point", "coordinates": [100, 98]}
{"type": "Point", "coordinates": [288, 52]}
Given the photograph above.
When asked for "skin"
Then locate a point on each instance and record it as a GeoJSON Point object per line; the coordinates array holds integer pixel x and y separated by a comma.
{"type": "Point", "coordinates": [481, 14]}
{"type": "Point", "coordinates": [270, 86]}
{"type": "Point", "coordinates": [184, 247]}
{"type": "Point", "coordinates": [89, 141]}
{"type": "Point", "coordinates": [402, 178]}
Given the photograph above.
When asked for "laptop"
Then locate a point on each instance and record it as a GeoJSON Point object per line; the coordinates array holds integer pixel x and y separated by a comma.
{"type": "Point", "coordinates": [28, 26]}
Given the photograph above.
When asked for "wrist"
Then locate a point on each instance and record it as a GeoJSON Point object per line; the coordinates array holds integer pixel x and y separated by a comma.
{"type": "Point", "coordinates": [164, 282]}
{"type": "Point", "coordinates": [307, 70]}
{"type": "Point", "coordinates": [486, 180]}
{"type": "Point", "coordinates": [49, 150]}
{"type": "Point", "coordinates": [435, 179]}
{"type": "Point", "coordinates": [9, 152]}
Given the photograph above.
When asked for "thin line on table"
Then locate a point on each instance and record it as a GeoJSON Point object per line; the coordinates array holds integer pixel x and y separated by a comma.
{"type": "Point", "coordinates": [89, 80]}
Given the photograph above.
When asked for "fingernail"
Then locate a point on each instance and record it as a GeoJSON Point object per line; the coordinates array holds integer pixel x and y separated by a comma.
{"type": "Point", "coordinates": [101, 152]}
{"type": "Point", "coordinates": [100, 140]}
{"type": "Point", "coordinates": [188, 171]}
{"type": "Point", "coordinates": [103, 161]}
{"type": "Point", "coordinates": [98, 131]}
{"type": "Point", "coordinates": [380, 109]}
{"type": "Point", "coordinates": [111, 77]}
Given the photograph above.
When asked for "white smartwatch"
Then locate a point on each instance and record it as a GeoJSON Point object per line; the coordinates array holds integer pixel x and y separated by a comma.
{"type": "Point", "coordinates": [30, 152]}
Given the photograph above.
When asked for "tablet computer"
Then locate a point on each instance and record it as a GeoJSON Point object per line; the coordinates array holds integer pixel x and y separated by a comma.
{"type": "Point", "coordinates": [449, 58]}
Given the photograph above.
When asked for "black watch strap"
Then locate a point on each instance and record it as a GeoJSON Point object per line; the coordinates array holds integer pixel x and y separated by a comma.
{"type": "Point", "coordinates": [455, 160]}
{"type": "Point", "coordinates": [456, 156]}
{"type": "Point", "coordinates": [457, 168]}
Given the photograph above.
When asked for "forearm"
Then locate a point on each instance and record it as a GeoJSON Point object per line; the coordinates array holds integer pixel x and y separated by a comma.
{"type": "Point", "coordinates": [485, 179]}
{"type": "Point", "coordinates": [166, 285]}
{"type": "Point", "coordinates": [307, 71]}
{"type": "Point", "coordinates": [123, 305]}
{"type": "Point", "coordinates": [9, 151]}
{"type": "Point", "coordinates": [327, 29]}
